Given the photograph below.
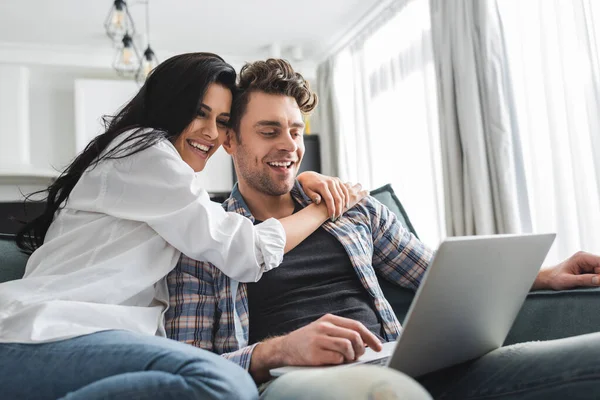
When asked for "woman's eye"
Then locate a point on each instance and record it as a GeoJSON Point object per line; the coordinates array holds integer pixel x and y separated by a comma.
{"type": "Point", "coordinates": [223, 124]}
{"type": "Point", "coordinates": [201, 113]}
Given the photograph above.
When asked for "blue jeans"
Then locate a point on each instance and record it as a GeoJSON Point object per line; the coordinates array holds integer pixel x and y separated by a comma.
{"type": "Point", "coordinates": [119, 365]}
{"type": "Point", "coordinates": [550, 370]}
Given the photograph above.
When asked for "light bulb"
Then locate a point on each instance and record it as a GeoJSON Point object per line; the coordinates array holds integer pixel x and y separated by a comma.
{"type": "Point", "coordinates": [117, 19]}
{"type": "Point", "coordinates": [127, 59]}
{"type": "Point", "coordinates": [147, 68]}
{"type": "Point", "coordinates": [126, 56]}
{"type": "Point", "coordinates": [119, 22]}
{"type": "Point", "coordinates": [149, 62]}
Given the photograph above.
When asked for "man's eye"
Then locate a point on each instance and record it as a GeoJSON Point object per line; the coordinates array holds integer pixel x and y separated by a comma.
{"type": "Point", "coordinates": [272, 133]}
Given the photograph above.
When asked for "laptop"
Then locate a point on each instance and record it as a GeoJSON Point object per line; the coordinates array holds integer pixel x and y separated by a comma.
{"type": "Point", "coordinates": [465, 306]}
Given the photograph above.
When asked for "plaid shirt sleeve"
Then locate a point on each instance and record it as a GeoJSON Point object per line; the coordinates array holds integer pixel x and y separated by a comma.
{"type": "Point", "coordinates": [192, 310]}
{"type": "Point", "coordinates": [242, 356]}
{"type": "Point", "coordinates": [192, 317]}
{"type": "Point", "coordinates": [397, 254]}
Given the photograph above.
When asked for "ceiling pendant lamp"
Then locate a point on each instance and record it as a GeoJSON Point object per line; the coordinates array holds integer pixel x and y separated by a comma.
{"type": "Point", "coordinates": [127, 58]}
{"type": "Point", "coordinates": [149, 60]}
{"type": "Point", "coordinates": [119, 21]}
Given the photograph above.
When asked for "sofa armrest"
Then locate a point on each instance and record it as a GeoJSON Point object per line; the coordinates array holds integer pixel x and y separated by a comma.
{"type": "Point", "coordinates": [545, 315]}
{"type": "Point", "coordinates": [548, 315]}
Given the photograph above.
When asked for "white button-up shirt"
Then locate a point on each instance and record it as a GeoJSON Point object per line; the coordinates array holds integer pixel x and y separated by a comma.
{"type": "Point", "coordinates": [106, 254]}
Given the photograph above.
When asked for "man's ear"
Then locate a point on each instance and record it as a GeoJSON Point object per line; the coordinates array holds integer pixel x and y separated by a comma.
{"type": "Point", "coordinates": [227, 143]}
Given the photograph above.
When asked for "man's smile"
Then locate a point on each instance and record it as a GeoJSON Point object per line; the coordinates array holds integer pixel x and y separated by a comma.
{"type": "Point", "coordinates": [281, 165]}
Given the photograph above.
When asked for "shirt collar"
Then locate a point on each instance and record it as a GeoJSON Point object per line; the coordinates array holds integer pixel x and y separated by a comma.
{"type": "Point", "coordinates": [236, 202]}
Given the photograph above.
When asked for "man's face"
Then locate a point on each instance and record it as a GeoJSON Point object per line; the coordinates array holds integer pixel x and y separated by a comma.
{"type": "Point", "coordinates": [271, 144]}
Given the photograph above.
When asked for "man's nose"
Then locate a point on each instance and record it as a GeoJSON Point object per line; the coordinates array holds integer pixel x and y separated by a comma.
{"type": "Point", "coordinates": [288, 143]}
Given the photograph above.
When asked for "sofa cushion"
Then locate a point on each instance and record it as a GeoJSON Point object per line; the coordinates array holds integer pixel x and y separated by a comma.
{"type": "Point", "coordinates": [12, 261]}
{"type": "Point", "coordinates": [548, 315]}
{"type": "Point", "coordinates": [386, 196]}
{"type": "Point", "coordinates": [399, 298]}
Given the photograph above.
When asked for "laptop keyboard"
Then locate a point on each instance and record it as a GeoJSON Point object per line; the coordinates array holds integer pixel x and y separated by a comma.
{"type": "Point", "coordinates": [379, 361]}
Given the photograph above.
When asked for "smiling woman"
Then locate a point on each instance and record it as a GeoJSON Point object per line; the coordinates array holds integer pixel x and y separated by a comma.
{"type": "Point", "coordinates": [204, 134]}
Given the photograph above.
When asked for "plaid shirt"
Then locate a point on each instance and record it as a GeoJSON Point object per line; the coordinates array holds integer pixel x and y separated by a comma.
{"type": "Point", "coordinates": [210, 310]}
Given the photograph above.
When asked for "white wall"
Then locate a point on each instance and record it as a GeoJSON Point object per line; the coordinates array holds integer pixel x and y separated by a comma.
{"type": "Point", "coordinates": [14, 116]}
{"type": "Point", "coordinates": [94, 99]}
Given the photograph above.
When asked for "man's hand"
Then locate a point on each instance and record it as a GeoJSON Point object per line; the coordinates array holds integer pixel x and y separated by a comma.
{"type": "Point", "coordinates": [330, 340]}
{"type": "Point", "coordinates": [580, 270]}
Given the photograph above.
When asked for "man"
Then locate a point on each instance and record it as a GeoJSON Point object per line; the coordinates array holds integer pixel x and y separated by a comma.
{"type": "Point", "coordinates": [324, 304]}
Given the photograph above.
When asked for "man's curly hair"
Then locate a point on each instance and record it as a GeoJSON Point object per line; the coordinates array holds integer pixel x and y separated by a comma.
{"type": "Point", "coordinates": [273, 76]}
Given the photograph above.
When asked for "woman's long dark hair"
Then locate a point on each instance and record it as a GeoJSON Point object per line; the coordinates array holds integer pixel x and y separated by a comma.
{"type": "Point", "coordinates": [168, 102]}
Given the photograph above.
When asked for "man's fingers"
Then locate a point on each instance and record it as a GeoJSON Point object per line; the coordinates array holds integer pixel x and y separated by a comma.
{"type": "Point", "coordinates": [587, 262]}
{"type": "Point", "coordinates": [353, 337]}
{"type": "Point", "coordinates": [367, 336]}
{"type": "Point", "coordinates": [339, 345]}
{"type": "Point", "coordinates": [329, 357]}
{"type": "Point", "coordinates": [587, 280]}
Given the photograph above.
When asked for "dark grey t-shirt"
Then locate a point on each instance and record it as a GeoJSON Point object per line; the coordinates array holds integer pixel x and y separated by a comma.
{"type": "Point", "coordinates": [315, 278]}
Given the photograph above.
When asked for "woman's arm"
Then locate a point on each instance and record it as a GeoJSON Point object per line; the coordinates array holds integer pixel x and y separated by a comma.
{"type": "Point", "coordinates": [157, 187]}
{"type": "Point", "coordinates": [303, 223]}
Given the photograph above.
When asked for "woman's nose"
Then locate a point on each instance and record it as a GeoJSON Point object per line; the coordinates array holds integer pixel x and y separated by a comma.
{"type": "Point", "coordinates": [211, 131]}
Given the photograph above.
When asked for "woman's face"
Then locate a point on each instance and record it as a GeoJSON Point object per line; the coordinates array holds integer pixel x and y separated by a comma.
{"type": "Point", "coordinates": [203, 136]}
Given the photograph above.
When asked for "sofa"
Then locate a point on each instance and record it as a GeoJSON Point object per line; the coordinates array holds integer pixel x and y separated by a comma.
{"type": "Point", "coordinates": [545, 315]}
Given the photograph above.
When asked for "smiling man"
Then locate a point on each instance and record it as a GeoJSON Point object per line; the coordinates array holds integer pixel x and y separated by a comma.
{"type": "Point", "coordinates": [268, 160]}
{"type": "Point", "coordinates": [323, 304]}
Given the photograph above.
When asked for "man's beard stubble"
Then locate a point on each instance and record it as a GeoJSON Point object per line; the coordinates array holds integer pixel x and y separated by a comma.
{"type": "Point", "coordinates": [256, 179]}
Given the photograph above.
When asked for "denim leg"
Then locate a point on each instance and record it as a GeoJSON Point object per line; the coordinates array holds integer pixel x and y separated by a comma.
{"type": "Point", "coordinates": [555, 369]}
{"type": "Point", "coordinates": [119, 365]}
{"type": "Point", "coordinates": [362, 382]}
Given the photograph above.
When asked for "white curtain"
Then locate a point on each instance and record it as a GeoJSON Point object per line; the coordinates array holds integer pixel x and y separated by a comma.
{"type": "Point", "coordinates": [350, 87]}
{"type": "Point", "coordinates": [481, 151]}
{"type": "Point", "coordinates": [326, 115]}
{"type": "Point", "coordinates": [554, 51]}
{"type": "Point", "coordinates": [385, 89]}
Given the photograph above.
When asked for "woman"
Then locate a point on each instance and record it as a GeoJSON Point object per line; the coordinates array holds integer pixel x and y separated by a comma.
{"type": "Point", "coordinates": [83, 319]}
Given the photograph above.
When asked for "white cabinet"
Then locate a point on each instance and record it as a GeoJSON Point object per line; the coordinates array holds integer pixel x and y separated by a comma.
{"type": "Point", "coordinates": [95, 98]}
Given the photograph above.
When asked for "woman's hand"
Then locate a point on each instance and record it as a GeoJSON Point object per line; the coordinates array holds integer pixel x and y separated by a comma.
{"type": "Point", "coordinates": [355, 193]}
{"type": "Point", "coordinates": [338, 196]}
